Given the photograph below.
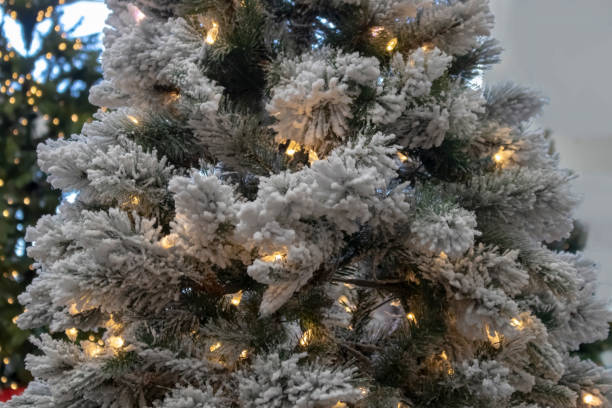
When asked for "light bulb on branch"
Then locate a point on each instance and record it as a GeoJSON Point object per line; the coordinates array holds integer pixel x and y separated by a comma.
{"type": "Point", "coordinates": [392, 44]}
{"type": "Point", "coordinates": [306, 338]}
{"type": "Point", "coordinates": [591, 400]}
{"type": "Point", "coordinates": [212, 33]}
{"type": "Point", "coordinates": [275, 257]}
{"type": "Point", "coordinates": [72, 333]}
{"type": "Point", "coordinates": [494, 338]}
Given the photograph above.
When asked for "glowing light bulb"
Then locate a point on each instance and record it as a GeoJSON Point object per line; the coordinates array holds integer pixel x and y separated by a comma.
{"type": "Point", "coordinates": [73, 309]}
{"type": "Point", "coordinates": [392, 44]}
{"type": "Point", "coordinates": [376, 31]}
{"type": "Point", "coordinates": [167, 242]}
{"type": "Point", "coordinates": [494, 338]}
{"type": "Point", "coordinates": [312, 156]}
{"type": "Point", "coordinates": [6, 360]}
{"type": "Point", "coordinates": [133, 119]}
{"type": "Point", "coordinates": [136, 14]}
{"type": "Point", "coordinates": [275, 257]}
{"type": "Point", "coordinates": [72, 333]}
{"type": "Point", "coordinates": [91, 349]}
{"type": "Point", "coordinates": [62, 46]}
{"type": "Point", "coordinates": [244, 354]}
{"type": "Point", "coordinates": [403, 158]}
{"type": "Point", "coordinates": [292, 149]}
{"type": "Point", "coordinates": [444, 355]}
{"type": "Point", "coordinates": [135, 200]}
{"type": "Point", "coordinates": [236, 298]}
{"type": "Point", "coordinates": [215, 346]}
{"type": "Point", "coordinates": [26, 200]}
{"type": "Point", "coordinates": [516, 323]}
{"type": "Point", "coordinates": [14, 386]}
{"type": "Point", "coordinates": [363, 391]}
{"type": "Point", "coordinates": [591, 400]}
{"type": "Point", "coordinates": [3, 379]}
{"type": "Point", "coordinates": [10, 301]}
{"type": "Point", "coordinates": [306, 338]}
{"type": "Point", "coordinates": [346, 304]}
{"type": "Point", "coordinates": [74, 117]}
{"type": "Point", "coordinates": [411, 317]}
{"type": "Point", "coordinates": [212, 34]}
{"type": "Point", "coordinates": [116, 342]}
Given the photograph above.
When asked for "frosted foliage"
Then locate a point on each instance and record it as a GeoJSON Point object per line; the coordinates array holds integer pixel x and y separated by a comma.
{"type": "Point", "coordinates": [312, 101]}
{"type": "Point", "coordinates": [204, 207]}
{"type": "Point", "coordinates": [539, 201]}
{"type": "Point", "coordinates": [441, 20]}
{"type": "Point", "coordinates": [276, 383]}
{"type": "Point", "coordinates": [488, 379]}
{"type": "Point", "coordinates": [106, 257]}
{"type": "Point", "coordinates": [192, 398]}
{"type": "Point", "coordinates": [512, 104]}
{"type": "Point", "coordinates": [451, 232]}
{"type": "Point", "coordinates": [404, 263]}
{"type": "Point", "coordinates": [336, 195]}
{"type": "Point", "coordinates": [141, 58]}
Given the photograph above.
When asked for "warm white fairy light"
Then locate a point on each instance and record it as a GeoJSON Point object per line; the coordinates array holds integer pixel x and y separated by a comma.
{"type": "Point", "coordinates": [244, 354]}
{"type": "Point", "coordinates": [275, 257]}
{"type": "Point", "coordinates": [215, 346]}
{"type": "Point", "coordinates": [133, 119]}
{"type": "Point", "coordinates": [411, 317]}
{"type": "Point", "coordinates": [212, 34]}
{"type": "Point", "coordinates": [293, 148]}
{"type": "Point", "coordinates": [72, 333]}
{"type": "Point", "coordinates": [392, 44]}
{"type": "Point", "coordinates": [591, 400]}
{"type": "Point", "coordinates": [516, 323]}
{"type": "Point", "coordinates": [376, 31]}
{"type": "Point", "coordinates": [494, 338]}
{"type": "Point", "coordinates": [115, 342]}
{"type": "Point", "coordinates": [306, 338]}
{"type": "Point", "coordinates": [236, 298]}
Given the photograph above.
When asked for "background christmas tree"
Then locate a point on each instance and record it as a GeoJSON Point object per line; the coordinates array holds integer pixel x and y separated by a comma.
{"type": "Point", "coordinates": [43, 95]}
{"type": "Point", "coordinates": [309, 204]}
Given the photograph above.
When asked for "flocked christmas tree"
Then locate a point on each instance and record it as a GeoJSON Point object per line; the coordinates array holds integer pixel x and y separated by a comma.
{"type": "Point", "coordinates": [52, 103]}
{"type": "Point", "coordinates": [308, 203]}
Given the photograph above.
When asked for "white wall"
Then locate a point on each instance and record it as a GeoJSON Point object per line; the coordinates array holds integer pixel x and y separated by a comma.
{"type": "Point", "coordinates": [564, 49]}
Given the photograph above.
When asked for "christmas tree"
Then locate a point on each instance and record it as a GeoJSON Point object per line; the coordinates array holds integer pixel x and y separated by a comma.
{"type": "Point", "coordinates": [43, 95]}
{"type": "Point", "coordinates": [308, 203]}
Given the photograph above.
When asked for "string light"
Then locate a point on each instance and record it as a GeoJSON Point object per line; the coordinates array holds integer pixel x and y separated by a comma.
{"type": "Point", "coordinates": [134, 200]}
{"type": "Point", "coordinates": [133, 119]}
{"type": "Point", "coordinates": [115, 342]}
{"type": "Point", "coordinates": [494, 339]}
{"type": "Point", "coordinates": [275, 257]}
{"type": "Point", "coordinates": [74, 117]}
{"type": "Point", "coordinates": [427, 47]}
{"type": "Point", "coordinates": [215, 346]}
{"type": "Point", "coordinates": [136, 13]}
{"type": "Point", "coordinates": [26, 200]}
{"type": "Point", "coordinates": [516, 323]}
{"type": "Point", "coordinates": [340, 404]}
{"type": "Point", "coordinates": [411, 317]}
{"type": "Point", "coordinates": [6, 361]}
{"type": "Point", "coordinates": [403, 158]}
{"type": "Point", "coordinates": [292, 149]}
{"type": "Point", "coordinates": [10, 300]}
{"type": "Point", "coordinates": [502, 155]}
{"type": "Point", "coordinates": [14, 386]}
{"type": "Point", "coordinates": [236, 298]}
{"type": "Point", "coordinates": [91, 349]}
{"type": "Point", "coordinates": [167, 242]}
{"type": "Point", "coordinates": [376, 31]}
{"type": "Point", "coordinates": [212, 34]}
{"type": "Point", "coordinates": [1, 182]}
{"type": "Point", "coordinates": [73, 309]}
{"type": "Point", "coordinates": [62, 46]}
{"type": "Point", "coordinates": [591, 400]}
{"type": "Point", "coordinates": [306, 338]}
{"type": "Point", "coordinates": [72, 333]}
{"type": "Point", "coordinates": [392, 44]}
{"type": "Point", "coordinates": [3, 379]}
{"type": "Point", "coordinates": [344, 301]}
{"type": "Point", "coordinates": [244, 354]}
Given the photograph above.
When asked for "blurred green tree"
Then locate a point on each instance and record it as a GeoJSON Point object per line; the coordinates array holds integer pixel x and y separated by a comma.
{"type": "Point", "coordinates": [42, 95]}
